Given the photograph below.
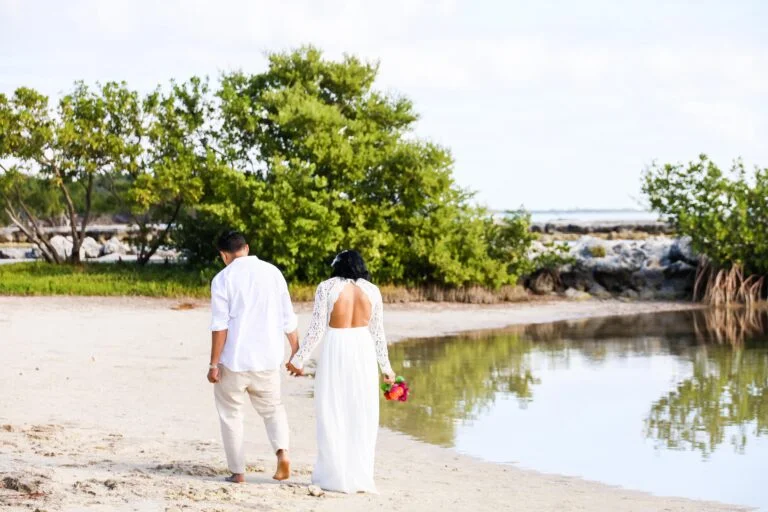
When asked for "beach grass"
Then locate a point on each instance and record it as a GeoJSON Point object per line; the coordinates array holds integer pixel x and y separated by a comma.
{"type": "Point", "coordinates": [114, 279]}
{"type": "Point", "coordinates": [180, 281]}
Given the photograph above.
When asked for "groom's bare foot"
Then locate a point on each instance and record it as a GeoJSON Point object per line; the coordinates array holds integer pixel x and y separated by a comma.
{"type": "Point", "coordinates": [283, 471]}
{"type": "Point", "coordinates": [236, 478]}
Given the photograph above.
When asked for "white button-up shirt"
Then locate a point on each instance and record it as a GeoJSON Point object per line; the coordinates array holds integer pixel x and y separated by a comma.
{"type": "Point", "coordinates": [250, 299]}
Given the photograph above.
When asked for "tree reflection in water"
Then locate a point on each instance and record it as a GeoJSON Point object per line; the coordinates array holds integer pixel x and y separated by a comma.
{"type": "Point", "coordinates": [725, 398]}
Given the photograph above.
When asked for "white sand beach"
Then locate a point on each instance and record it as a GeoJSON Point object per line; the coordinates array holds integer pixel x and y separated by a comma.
{"type": "Point", "coordinates": [105, 406]}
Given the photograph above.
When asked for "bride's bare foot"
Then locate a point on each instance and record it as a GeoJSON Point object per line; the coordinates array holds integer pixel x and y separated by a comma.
{"type": "Point", "coordinates": [235, 478]}
{"type": "Point", "coordinates": [283, 466]}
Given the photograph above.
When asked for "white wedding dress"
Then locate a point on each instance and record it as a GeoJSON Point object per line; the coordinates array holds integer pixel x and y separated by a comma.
{"type": "Point", "coordinates": [346, 389]}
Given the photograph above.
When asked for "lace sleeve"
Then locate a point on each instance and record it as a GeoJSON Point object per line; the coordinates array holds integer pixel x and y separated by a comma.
{"type": "Point", "coordinates": [316, 326]}
{"type": "Point", "coordinates": [376, 326]}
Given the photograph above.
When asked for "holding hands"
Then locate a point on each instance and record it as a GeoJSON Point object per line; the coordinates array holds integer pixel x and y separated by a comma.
{"type": "Point", "coordinates": [296, 372]}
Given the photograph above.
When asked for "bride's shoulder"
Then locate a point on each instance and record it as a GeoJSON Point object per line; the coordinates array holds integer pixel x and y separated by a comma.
{"type": "Point", "coordinates": [370, 287]}
{"type": "Point", "coordinates": [328, 283]}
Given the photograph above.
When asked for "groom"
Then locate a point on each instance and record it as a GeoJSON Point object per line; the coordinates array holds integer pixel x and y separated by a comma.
{"type": "Point", "coordinates": [251, 312]}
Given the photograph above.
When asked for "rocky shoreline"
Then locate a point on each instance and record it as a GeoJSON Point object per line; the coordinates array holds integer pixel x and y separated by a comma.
{"type": "Point", "coordinates": [653, 268]}
{"type": "Point", "coordinates": [656, 268]}
{"type": "Point", "coordinates": [108, 250]}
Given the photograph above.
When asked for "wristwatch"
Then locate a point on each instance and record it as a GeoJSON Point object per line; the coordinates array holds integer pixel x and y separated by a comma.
{"type": "Point", "coordinates": [213, 367]}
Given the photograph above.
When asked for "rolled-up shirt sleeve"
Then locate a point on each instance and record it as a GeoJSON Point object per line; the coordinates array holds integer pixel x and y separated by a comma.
{"type": "Point", "coordinates": [290, 320]}
{"type": "Point", "coordinates": [219, 305]}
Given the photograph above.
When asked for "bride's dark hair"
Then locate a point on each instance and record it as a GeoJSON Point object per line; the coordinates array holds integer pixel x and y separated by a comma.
{"type": "Point", "coordinates": [350, 265]}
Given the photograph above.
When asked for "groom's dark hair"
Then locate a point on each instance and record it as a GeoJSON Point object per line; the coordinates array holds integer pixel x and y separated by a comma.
{"type": "Point", "coordinates": [231, 242]}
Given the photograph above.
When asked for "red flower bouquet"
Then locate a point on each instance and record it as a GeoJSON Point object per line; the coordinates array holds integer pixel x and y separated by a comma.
{"type": "Point", "coordinates": [397, 391]}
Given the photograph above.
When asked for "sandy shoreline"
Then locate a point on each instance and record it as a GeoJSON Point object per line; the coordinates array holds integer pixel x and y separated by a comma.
{"type": "Point", "coordinates": [106, 407]}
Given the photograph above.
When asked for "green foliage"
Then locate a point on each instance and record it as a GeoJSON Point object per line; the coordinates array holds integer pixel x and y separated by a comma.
{"type": "Point", "coordinates": [330, 164]}
{"type": "Point", "coordinates": [597, 251]}
{"type": "Point", "coordinates": [724, 213]}
{"type": "Point", "coordinates": [307, 158]}
{"type": "Point", "coordinates": [552, 258]}
{"type": "Point", "coordinates": [171, 156]}
{"type": "Point", "coordinates": [57, 155]}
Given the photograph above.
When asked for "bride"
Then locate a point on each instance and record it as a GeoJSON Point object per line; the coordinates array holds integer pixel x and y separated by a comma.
{"type": "Point", "coordinates": [348, 317]}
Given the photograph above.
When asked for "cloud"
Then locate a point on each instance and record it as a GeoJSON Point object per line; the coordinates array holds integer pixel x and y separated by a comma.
{"type": "Point", "coordinates": [506, 84]}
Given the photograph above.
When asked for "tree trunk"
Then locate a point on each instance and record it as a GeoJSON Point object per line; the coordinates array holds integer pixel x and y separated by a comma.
{"type": "Point", "coordinates": [160, 240]}
{"type": "Point", "coordinates": [32, 231]}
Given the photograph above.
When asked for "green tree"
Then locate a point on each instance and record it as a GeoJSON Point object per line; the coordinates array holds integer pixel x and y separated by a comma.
{"type": "Point", "coordinates": [67, 149]}
{"type": "Point", "coordinates": [170, 156]}
{"type": "Point", "coordinates": [331, 163]}
{"type": "Point", "coordinates": [724, 213]}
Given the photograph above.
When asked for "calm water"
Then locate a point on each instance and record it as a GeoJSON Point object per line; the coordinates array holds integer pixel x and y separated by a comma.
{"type": "Point", "coordinates": [593, 215]}
{"type": "Point", "coordinates": [674, 403]}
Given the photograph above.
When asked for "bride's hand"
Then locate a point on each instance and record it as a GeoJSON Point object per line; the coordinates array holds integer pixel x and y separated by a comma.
{"type": "Point", "coordinates": [296, 372]}
{"type": "Point", "coordinates": [389, 379]}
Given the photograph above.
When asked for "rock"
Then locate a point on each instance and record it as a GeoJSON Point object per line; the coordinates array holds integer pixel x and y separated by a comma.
{"type": "Point", "coordinates": [657, 251]}
{"type": "Point", "coordinates": [596, 290]}
{"type": "Point", "coordinates": [114, 246]}
{"type": "Point", "coordinates": [6, 236]}
{"type": "Point", "coordinates": [574, 294]}
{"type": "Point", "coordinates": [652, 278]}
{"type": "Point", "coordinates": [543, 283]}
{"type": "Point", "coordinates": [110, 484]}
{"type": "Point", "coordinates": [316, 491]}
{"type": "Point", "coordinates": [682, 250]}
{"type": "Point", "coordinates": [631, 294]}
{"type": "Point", "coordinates": [13, 253]}
{"type": "Point", "coordinates": [62, 246]}
{"type": "Point", "coordinates": [90, 248]}
{"type": "Point", "coordinates": [574, 278]}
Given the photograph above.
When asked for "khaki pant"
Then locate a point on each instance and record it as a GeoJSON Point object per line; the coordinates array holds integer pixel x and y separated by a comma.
{"type": "Point", "coordinates": [232, 393]}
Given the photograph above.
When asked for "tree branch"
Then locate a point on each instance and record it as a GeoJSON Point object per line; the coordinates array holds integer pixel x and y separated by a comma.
{"type": "Point", "coordinates": [164, 235]}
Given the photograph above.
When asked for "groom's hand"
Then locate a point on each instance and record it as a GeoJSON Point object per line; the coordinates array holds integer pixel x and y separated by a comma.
{"type": "Point", "coordinates": [296, 372]}
{"type": "Point", "coordinates": [213, 375]}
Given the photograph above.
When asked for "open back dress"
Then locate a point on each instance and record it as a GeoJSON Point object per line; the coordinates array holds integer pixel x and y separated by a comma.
{"type": "Point", "coordinates": [346, 389]}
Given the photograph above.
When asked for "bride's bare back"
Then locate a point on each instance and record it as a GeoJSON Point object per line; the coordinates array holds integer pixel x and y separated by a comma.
{"type": "Point", "coordinates": [352, 309]}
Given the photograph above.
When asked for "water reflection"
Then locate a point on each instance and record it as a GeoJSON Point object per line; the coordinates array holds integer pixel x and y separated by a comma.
{"type": "Point", "coordinates": [722, 397]}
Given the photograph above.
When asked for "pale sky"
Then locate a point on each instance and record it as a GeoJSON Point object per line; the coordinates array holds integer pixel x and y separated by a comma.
{"type": "Point", "coordinates": [546, 104]}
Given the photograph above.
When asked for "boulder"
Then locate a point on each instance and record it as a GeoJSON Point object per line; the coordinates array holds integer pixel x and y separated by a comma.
{"type": "Point", "coordinates": [115, 246]}
{"type": "Point", "coordinates": [90, 248]}
{"type": "Point", "coordinates": [573, 294]}
{"type": "Point", "coordinates": [542, 283]}
{"type": "Point", "coordinates": [596, 290]}
{"type": "Point", "coordinates": [648, 278]}
{"type": "Point", "coordinates": [6, 236]}
{"type": "Point", "coordinates": [14, 253]}
{"type": "Point", "coordinates": [631, 294]}
{"type": "Point", "coordinates": [62, 246]}
{"type": "Point", "coordinates": [657, 251]}
{"type": "Point", "coordinates": [576, 279]}
{"type": "Point", "coordinates": [682, 250]}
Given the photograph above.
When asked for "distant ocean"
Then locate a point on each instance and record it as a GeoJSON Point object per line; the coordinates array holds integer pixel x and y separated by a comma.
{"type": "Point", "coordinates": [592, 215]}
